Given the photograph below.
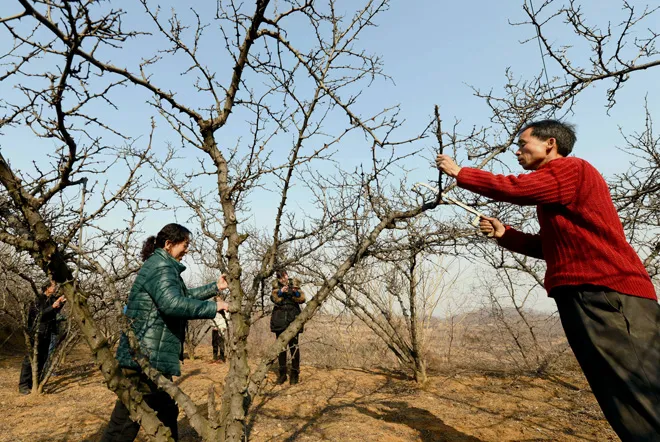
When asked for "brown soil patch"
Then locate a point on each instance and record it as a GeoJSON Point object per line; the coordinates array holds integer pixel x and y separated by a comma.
{"type": "Point", "coordinates": [332, 405]}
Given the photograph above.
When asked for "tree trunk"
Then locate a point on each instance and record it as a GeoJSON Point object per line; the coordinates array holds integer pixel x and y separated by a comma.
{"type": "Point", "coordinates": [34, 366]}
{"type": "Point", "coordinates": [236, 398]}
{"type": "Point", "coordinates": [419, 368]}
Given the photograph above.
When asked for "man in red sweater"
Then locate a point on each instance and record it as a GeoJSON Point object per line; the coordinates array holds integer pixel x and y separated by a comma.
{"type": "Point", "coordinates": [605, 298]}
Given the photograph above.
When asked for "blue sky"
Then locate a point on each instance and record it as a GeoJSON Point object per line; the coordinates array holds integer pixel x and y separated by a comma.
{"type": "Point", "coordinates": [433, 50]}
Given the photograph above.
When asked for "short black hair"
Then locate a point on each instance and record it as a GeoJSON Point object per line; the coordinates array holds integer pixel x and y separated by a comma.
{"type": "Point", "coordinates": [563, 133]}
{"type": "Point", "coordinates": [280, 273]}
{"type": "Point", "coordinates": [46, 285]}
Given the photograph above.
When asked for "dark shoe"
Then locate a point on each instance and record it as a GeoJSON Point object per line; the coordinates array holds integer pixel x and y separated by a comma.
{"type": "Point", "coordinates": [24, 390]}
{"type": "Point", "coordinates": [294, 378]}
{"type": "Point", "coordinates": [281, 379]}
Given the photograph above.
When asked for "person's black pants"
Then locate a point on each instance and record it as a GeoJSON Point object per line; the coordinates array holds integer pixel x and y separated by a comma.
{"type": "Point", "coordinates": [616, 340]}
{"type": "Point", "coordinates": [25, 381]}
{"type": "Point", "coordinates": [295, 357]}
{"type": "Point", "coordinates": [218, 344]}
{"type": "Point", "coordinates": [121, 428]}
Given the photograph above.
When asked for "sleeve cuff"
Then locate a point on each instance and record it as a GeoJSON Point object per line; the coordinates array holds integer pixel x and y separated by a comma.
{"type": "Point", "coordinates": [462, 175]}
{"type": "Point", "coordinates": [507, 229]}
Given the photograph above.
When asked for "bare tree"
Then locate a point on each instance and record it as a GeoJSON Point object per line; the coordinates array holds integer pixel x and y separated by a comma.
{"type": "Point", "coordinates": [195, 332]}
{"type": "Point", "coordinates": [40, 214]}
{"type": "Point", "coordinates": [79, 36]}
{"type": "Point", "coordinates": [602, 53]}
{"type": "Point", "coordinates": [635, 194]}
{"type": "Point", "coordinates": [397, 289]}
{"type": "Point", "coordinates": [21, 283]}
{"type": "Point", "coordinates": [289, 70]}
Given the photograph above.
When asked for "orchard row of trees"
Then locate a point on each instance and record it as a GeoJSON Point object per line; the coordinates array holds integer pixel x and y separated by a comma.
{"type": "Point", "coordinates": [282, 74]}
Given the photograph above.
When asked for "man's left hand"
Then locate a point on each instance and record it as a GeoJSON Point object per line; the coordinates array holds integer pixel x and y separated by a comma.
{"type": "Point", "coordinates": [447, 165]}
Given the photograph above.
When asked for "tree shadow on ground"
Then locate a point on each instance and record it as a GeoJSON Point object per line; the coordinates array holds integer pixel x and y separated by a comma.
{"type": "Point", "coordinates": [378, 402]}
{"type": "Point", "coordinates": [561, 382]}
{"type": "Point", "coordinates": [79, 374]}
{"type": "Point", "coordinates": [544, 418]}
{"type": "Point", "coordinates": [189, 374]}
{"type": "Point", "coordinates": [326, 414]}
{"type": "Point", "coordinates": [430, 427]}
{"type": "Point", "coordinates": [383, 371]}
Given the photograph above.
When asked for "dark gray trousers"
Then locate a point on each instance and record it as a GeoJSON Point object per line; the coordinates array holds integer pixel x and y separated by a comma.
{"type": "Point", "coordinates": [616, 340]}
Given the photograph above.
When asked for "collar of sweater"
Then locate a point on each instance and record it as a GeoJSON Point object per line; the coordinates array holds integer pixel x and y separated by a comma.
{"type": "Point", "coordinates": [166, 256]}
{"type": "Point", "coordinates": [543, 166]}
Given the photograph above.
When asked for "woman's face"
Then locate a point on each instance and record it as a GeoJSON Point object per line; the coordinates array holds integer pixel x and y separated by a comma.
{"type": "Point", "coordinates": [177, 250]}
{"type": "Point", "coordinates": [284, 279]}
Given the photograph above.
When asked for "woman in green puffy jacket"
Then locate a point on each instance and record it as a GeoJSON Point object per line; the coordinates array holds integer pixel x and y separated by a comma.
{"type": "Point", "coordinates": [158, 309]}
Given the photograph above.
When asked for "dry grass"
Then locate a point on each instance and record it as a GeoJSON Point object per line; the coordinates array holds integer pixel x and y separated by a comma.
{"type": "Point", "coordinates": [329, 404]}
{"type": "Point", "coordinates": [352, 389]}
{"type": "Point", "coordinates": [479, 344]}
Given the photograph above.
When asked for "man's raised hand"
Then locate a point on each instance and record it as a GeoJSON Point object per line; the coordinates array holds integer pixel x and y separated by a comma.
{"type": "Point", "coordinates": [447, 164]}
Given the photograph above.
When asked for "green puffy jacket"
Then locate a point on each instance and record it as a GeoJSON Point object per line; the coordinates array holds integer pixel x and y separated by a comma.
{"type": "Point", "coordinates": [158, 308]}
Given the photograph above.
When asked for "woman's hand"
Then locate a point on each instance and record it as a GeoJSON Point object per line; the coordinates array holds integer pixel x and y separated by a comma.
{"type": "Point", "coordinates": [221, 306]}
{"type": "Point", "coordinates": [222, 283]}
{"type": "Point", "coordinates": [491, 227]}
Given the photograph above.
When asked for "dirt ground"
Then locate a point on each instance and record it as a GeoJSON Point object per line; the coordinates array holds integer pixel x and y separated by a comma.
{"type": "Point", "coordinates": [330, 405]}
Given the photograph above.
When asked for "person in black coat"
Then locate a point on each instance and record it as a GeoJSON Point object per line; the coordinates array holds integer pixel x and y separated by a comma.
{"type": "Point", "coordinates": [41, 322]}
{"type": "Point", "coordinates": [287, 297]}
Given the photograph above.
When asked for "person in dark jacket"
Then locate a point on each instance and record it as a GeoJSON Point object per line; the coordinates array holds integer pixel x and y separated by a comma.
{"type": "Point", "coordinates": [287, 297]}
{"type": "Point", "coordinates": [158, 308]}
{"type": "Point", "coordinates": [41, 322]}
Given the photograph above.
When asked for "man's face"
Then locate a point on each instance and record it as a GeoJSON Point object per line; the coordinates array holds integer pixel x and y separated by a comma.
{"type": "Point", "coordinates": [532, 152]}
{"type": "Point", "coordinates": [51, 289]}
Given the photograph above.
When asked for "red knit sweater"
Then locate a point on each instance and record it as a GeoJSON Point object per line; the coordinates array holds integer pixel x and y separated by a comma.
{"type": "Point", "coordinates": [581, 236]}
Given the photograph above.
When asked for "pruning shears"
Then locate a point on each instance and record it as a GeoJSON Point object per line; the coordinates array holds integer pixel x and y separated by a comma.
{"type": "Point", "coordinates": [445, 197]}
